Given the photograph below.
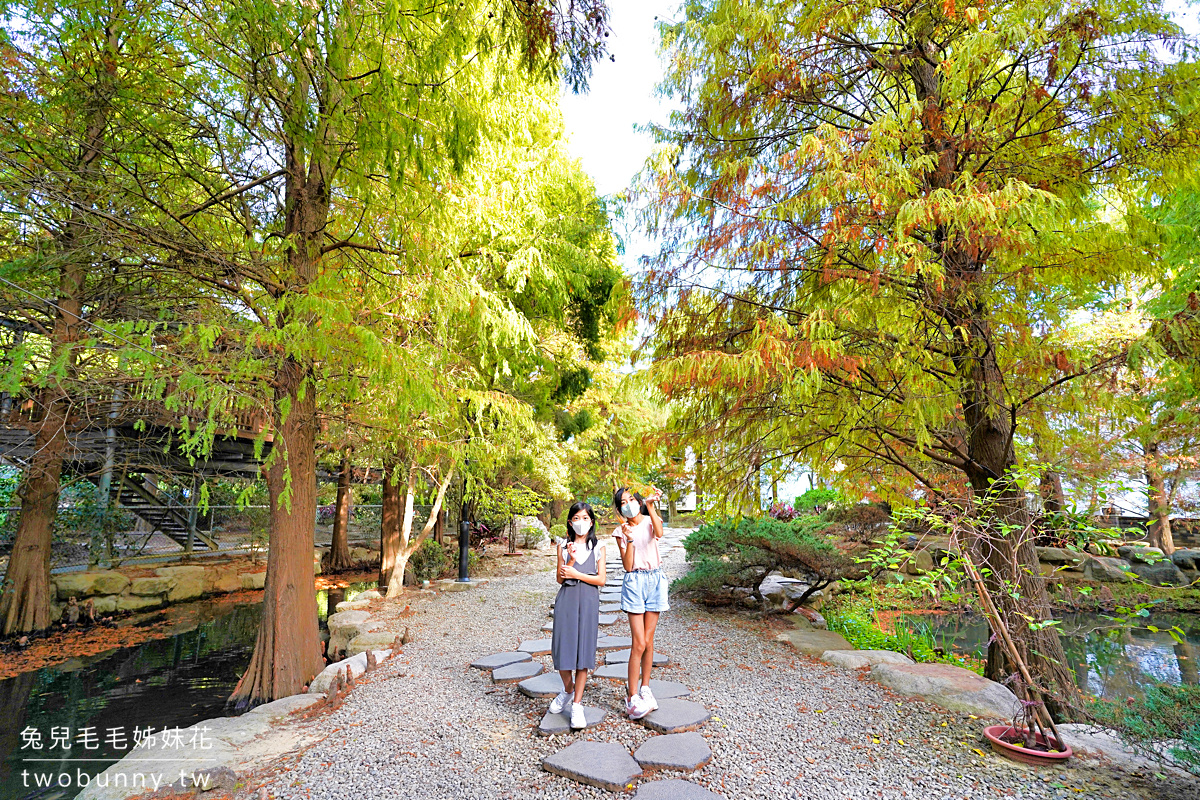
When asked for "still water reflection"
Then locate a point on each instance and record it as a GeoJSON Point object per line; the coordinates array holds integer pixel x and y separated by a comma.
{"type": "Point", "coordinates": [1108, 661]}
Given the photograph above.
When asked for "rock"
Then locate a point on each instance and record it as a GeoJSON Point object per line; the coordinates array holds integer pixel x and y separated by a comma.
{"type": "Point", "coordinates": [808, 619]}
{"type": "Point", "coordinates": [499, 660]}
{"type": "Point", "coordinates": [105, 605]}
{"type": "Point", "coordinates": [602, 764]}
{"type": "Point", "coordinates": [88, 584]}
{"type": "Point", "coordinates": [369, 594]}
{"type": "Point", "coordinates": [214, 779]}
{"type": "Point", "coordinates": [814, 642]}
{"type": "Point", "coordinates": [609, 608]}
{"type": "Point", "coordinates": [343, 627]}
{"type": "Point", "coordinates": [531, 533]}
{"type": "Point", "coordinates": [252, 580]}
{"type": "Point", "coordinates": [222, 579]}
{"type": "Point", "coordinates": [1186, 558]}
{"type": "Point", "coordinates": [548, 684]}
{"type": "Point", "coordinates": [950, 687]}
{"type": "Point", "coordinates": [515, 673]}
{"type": "Point", "coordinates": [674, 789]}
{"type": "Point", "coordinates": [612, 643]}
{"type": "Point", "coordinates": [554, 724]}
{"type": "Point", "coordinates": [1140, 552]}
{"type": "Point", "coordinates": [376, 640]}
{"type": "Point", "coordinates": [133, 602]}
{"type": "Point", "coordinates": [1161, 573]}
{"type": "Point", "coordinates": [285, 706]}
{"type": "Point", "coordinates": [357, 664]}
{"type": "Point", "coordinates": [920, 563]}
{"type": "Point", "coordinates": [1060, 557]}
{"type": "Point", "coordinates": [352, 605]}
{"type": "Point", "coordinates": [604, 620]}
{"type": "Point", "coordinates": [151, 587]}
{"type": "Point", "coordinates": [189, 582]}
{"type": "Point", "coordinates": [535, 647]}
{"type": "Point", "coordinates": [1112, 570]}
{"type": "Point", "coordinates": [681, 751]}
{"type": "Point", "coordinates": [622, 657]}
{"type": "Point", "coordinates": [857, 659]}
{"type": "Point", "coordinates": [888, 577]}
{"type": "Point", "coordinates": [676, 716]}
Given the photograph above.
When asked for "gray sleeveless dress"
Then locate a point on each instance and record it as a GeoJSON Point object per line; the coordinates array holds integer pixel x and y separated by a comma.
{"type": "Point", "coordinates": [576, 620]}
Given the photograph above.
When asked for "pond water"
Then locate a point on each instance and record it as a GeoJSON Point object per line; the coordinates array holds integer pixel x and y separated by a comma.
{"type": "Point", "coordinates": [1108, 661]}
{"type": "Point", "coordinates": [173, 681]}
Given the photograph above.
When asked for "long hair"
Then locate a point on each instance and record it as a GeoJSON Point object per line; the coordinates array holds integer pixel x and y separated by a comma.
{"type": "Point", "coordinates": [591, 534]}
{"type": "Point", "coordinates": [636, 496]}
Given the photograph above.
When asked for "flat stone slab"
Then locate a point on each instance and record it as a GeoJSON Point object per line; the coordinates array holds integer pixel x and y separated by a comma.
{"type": "Point", "coordinates": [555, 724]}
{"type": "Point", "coordinates": [857, 659]}
{"type": "Point", "coordinates": [813, 642]}
{"type": "Point", "coordinates": [546, 684]}
{"type": "Point", "coordinates": [681, 751]}
{"type": "Point", "coordinates": [614, 672]}
{"type": "Point", "coordinates": [608, 608]}
{"type": "Point", "coordinates": [613, 642]}
{"type": "Point", "coordinates": [950, 687]}
{"type": "Point", "coordinates": [549, 626]}
{"type": "Point", "coordinates": [602, 764]}
{"type": "Point", "coordinates": [622, 657]}
{"type": "Point", "coordinates": [665, 690]}
{"type": "Point", "coordinates": [535, 647]}
{"type": "Point", "coordinates": [607, 619]}
{"type": "Point", "coordinates": [676, 716]}
{"type": "Point", "coordinates": [499, 660]}
{"type": "Point", "coordinates": [514, 673]}
{"type": "Point", "coordinates": [674, 789]}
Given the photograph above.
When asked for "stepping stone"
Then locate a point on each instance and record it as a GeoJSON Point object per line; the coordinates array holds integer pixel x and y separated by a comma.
{"type": "Point", "coordinates": [554, 724]}
{"type": "Point", "coordinates": [607, 619]}
{"type": "Point", "coordinates": [547, 684]}
{"type": "Point", "coordinates": [674, 789]}
{"type": "Point", "coordinates": [602, 764]}
{"type": "Point", "coordinates": [682, 751]}
{"type": "Point", "coordinates": [676, 716]}
{"type": "Point", "coordinates": [516, 672]}
{"type": "Point", "coordinates": [665, 690]}
{"type": "Point", "coordinates": [622, 657]}
{"type": "Point", "coordinates": [535, 647]}
{"type": "Point", "coordinates": [608, 608]}
{"type": "Point", "coordinates": [613, 672]}
{"type": "Point", "coordinates": [499, 660]}
{"type": "Point", "coordinates": [548, 627]}
{"type": "Point", "coordinates": [613, 642]}
{"type": "Point", "coordinates": [610, 597]}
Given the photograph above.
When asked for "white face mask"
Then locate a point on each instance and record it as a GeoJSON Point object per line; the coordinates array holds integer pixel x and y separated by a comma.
{"type": "Point", "coordinates": [581, 526]}
{"type": "Point", "coordinates": [630, 509]}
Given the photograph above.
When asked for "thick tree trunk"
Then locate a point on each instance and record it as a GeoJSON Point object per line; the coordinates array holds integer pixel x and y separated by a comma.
{"type": "Point", "coordinates": [287, 654]}
{"type": "Point", "coordinates": [407, 546]}
{"type": "Point", "coordinates": [1054, 500]}
{"type": "Point", "coordinates": [389, 526]}
{"type": "Point", "coordinates": [339, 546]}
{"type": "Point", "coordinates": [1158, 533]}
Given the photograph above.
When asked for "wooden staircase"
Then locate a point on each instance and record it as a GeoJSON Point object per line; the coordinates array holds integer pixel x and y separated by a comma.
{"type": "Point", "coordinates": [163, 513]}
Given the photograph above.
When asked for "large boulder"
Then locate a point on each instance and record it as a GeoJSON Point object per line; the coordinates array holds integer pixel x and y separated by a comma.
{"type": "Point", "coordinates": [857, 659]}
{"type": "Point", "coordinates": [222, 579]}
{"type": "Point", "coordinates": [1161, 573]}
{"type": "Point", "coordinates": [151, 587]}
{"type": "Point", "coordinates": [252, 580]}
{"type": "Point", "coordinates": [1111, 570]}
{"type": "Point", "coordinates": [1060, 557]}
{"type": "Point", "coordinates": [374, 640]}
{"type": "Point", "coordinates": [188, 582]}
{"type": "Point", "coordinates": [531, 533]}
{"type": "Point", "coordinates": [1186, 559]}
{"type": "Point", "coordinates": [950, 687]}
{"type": "Point", "coordinates": [919, 563]}
{"type": "Point", "coordinates": [1140, 552]}
{"type": "Point", "coordinates": [343, 627]}
{"type": "Point", "coordinates": [89, 584]}
{"type": "Point", "coordinates": [357, 665]}
{"type": "Point", "coordinates": [813, 642]}
{"type": "Point", "coordinates": [133, 602]}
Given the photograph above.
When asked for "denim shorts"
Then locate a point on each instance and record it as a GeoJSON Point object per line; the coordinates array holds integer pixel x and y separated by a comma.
{"type": "Point", "coordinates": [644, 591]}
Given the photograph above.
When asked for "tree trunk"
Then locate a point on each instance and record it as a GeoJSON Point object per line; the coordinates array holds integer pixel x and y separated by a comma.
{"type": "Point", "coordinates": [339, 546]}
{"type": "Point", "coordinates": [1189, 670]}
{"type": "Point", "coordinates": [1158, 533]}
{"type": "Point", "coordinates": [407, 548]}
{"type": "Point", "coordinates": [699, 482]}
{"type": "Point", "coordinates": [287, 654]}
{"type": "Point", "coordinates": [403, 553]}
{"type": "Point", "coordinates": [1054, 500]}
{"type": "Point", "coordinates": [389, 526]}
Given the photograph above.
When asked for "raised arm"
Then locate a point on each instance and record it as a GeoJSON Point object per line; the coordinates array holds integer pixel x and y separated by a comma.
{"type": "Point", "coordinates": [655, 519]}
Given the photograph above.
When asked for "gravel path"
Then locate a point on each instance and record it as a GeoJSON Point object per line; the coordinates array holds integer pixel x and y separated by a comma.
{"type": "Point", "coordinates": [426, 726]}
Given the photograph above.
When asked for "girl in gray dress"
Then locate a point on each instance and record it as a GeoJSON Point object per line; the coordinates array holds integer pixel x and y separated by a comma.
{"type": "Point", "coordinates": [577, 610]}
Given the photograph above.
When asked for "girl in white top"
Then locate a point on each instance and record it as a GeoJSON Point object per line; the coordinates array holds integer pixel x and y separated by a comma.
{"type": "Point", "coordinates": [643, 591]}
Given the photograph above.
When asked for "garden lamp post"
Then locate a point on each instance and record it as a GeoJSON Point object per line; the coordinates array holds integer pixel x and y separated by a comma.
{"type": "Point", "coordinates": [464, 532]}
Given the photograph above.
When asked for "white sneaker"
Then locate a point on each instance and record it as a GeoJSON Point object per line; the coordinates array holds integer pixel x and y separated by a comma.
{"type": "Point", "coordinates": [648, 698]}
{"type": "Point", "coordinates": [560, 702]}
{"type": "Point", "coordinates": [578, 720]}
{"type": "Point", "coordinates": [635, 707]}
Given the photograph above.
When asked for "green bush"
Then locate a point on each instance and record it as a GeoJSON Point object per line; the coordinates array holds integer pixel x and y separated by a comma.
{"type": "Point", "coordinates": [727, 555]}
{"type": "Point", "coordinates": [857, 624]}
{"type": "Point", "coordinates": [428, 561]}
{"type": "Point", "coordinates": [1164, 725]}
{"type": "Point", "coordinates": [558, 532]}
{"type": "Point", "coordinates": [819, 499]}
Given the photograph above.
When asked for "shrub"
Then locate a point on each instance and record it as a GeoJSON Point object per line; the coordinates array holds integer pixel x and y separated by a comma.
{"type": "Point", "coordinates": [783, 512]}
{"type": "Point", "coordinates": [817, 499]}
{"type": "Point", "coordinates": [726, 555]}
{"type": "Point", "coordinates": [558, 532]}
{"type": "Point", "coordinates": [531, 536]}
{"type": "Point", "coordinates": [862, 522]}
{"type": "Point", "coordinates": [428, 561]}
{"type": "Point", "coordinates": [1164, 725]}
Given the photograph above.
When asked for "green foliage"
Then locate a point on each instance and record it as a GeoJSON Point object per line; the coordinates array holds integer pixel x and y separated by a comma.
{"type": "Point", "coordinates": [429, 561]}
{"type": "Point", "coordinates": [819, 499]}
{"type": "Point", "coordinates": [857, 623]}
{"type": "Point", "coordinates": [1163, 725]}
{"type": "Point", "coordinates": [728, 554]}
{"type": "Point", "coordinates": [558, 532]}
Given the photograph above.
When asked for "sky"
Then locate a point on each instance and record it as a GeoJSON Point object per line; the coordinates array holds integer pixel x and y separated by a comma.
{"type": "Point", "coordinates": [601, 124]}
